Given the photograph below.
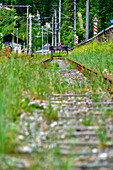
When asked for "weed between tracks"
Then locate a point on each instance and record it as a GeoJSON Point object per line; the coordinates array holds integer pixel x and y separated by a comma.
{"type": "Point", "coordinates": [20, 78]}
{"type": "Point", "coordinates": [23, 79]}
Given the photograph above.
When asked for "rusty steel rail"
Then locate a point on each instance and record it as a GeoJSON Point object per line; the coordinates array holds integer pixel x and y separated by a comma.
{"type": "Point", "coordinates": [87, 71]}
{"type": "Point", "coordinates": [45, 62]}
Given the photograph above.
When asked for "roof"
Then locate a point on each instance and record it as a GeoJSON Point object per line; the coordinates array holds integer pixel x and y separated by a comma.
{"type": "Point", "coordinates": [8, 38]}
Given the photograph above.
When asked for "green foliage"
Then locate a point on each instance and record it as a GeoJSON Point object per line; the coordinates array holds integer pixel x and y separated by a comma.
{"type": "Point", "coordinates": [30, 107]}
{"type": "Point", "coordinates": [102, 8]}
{"type": "Point", "coordinates": [6, 20]}
{"type": "Point", "coordinates": [97, 56]}
{"type": "Point", "coordinates": [92, 54]}
{"type": "Point", "coordinates": [102, 133]}
{"type": "Point", "coordinates": [50, 113]}
{"type": "Point", "coordinates": [87, 120]}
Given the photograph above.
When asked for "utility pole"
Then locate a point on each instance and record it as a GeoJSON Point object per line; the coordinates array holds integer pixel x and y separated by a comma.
{"type": "Point", "coordinates": [33, 42]}
{"type": "Point", "coordinates": [42, 41]}
{"type": "Point", "coordinates": [27, 26]}
{"type": "Point", "coordinates": [17, 39]}
{"type": "Point", "coordinates": [87, 20]}
{"type": "Point", "coordinates": [17, 35]}
{"type": "Point", "coordinates": [48, 26]}
{"type": "Point", "coordinates": [59, 22]}
{"type": "Point", "coordinates": [52, 31]}
{"type": "Point", "coordinates": [47, 35]}
{"type": "Point", "coordinates": [24, 47]}
{"type": "Point", "coordinates": [30, 33]}
{"type": "Point", "coordinates": [55, 39]}
{"type": "Point", "coordinates": [74, 22]}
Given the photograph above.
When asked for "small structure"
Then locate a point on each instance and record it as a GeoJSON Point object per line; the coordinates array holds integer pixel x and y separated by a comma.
{"type": "Point", "coordinates": [11, 41]}
{"type": "Point", "coordinates": [0, 5]}
{"type": "Point", "coordinates": [46, 46]}
{"type": "Point", "coordinates": [58, 48]}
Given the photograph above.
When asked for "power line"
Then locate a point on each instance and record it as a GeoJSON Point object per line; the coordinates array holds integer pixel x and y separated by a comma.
{"type": "Point", "coordinates": [21, 6]}
{"type": "Point", "coordinates": [64, 2]}
{"type": "Point", "coordinates": [12, 16]}
{"type": "Point", "coordinates": [67, 17]}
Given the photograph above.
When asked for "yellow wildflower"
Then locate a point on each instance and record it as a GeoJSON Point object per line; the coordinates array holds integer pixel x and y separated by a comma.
{"type": "Point", "coordinates": [14, 68]}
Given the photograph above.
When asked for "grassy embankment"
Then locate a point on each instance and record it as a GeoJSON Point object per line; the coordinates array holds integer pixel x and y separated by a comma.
{"type": "Point", "coordinates": [95, 55]}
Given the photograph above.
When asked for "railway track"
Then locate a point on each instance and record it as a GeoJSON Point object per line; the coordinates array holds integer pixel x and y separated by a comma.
{"type": "Point", "coordinates": [79, 137]}
{"type": "Point", "coordinates": [88, 72]}
{"type": "Point", "coordinates": [85, 136]}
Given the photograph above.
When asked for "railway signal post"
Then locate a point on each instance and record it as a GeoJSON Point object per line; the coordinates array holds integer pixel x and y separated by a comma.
{"type": "Point", "coordinates": [17, 26]}
{"type": "Point", "coordinates": [95, 21]}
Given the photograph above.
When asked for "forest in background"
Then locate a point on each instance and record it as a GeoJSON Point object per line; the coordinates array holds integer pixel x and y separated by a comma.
{"type": "Point", "coordinates": [103, 9]}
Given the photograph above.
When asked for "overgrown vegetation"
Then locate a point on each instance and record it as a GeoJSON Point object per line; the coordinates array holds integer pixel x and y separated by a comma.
{"type": "Point", "coordinates": [24, 78]}
{"type": "Point", "coordinates": [96, 55]}
{"type": "Point", "coordinates": [102, 8]}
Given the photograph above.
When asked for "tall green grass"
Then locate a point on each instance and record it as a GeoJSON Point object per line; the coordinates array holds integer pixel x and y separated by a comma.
{"type": "Point", "coordinates": [23, 78]}
{"type": "Point", "coordinates": [96, 55]}
{"type": "Point", "coordinates": [20, 77]}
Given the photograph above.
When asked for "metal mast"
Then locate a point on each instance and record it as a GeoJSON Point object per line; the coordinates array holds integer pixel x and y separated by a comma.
{"type": "Point", "coordinates": [42, 40]}
{"type": "Point", "coordinates": [74, 22]}
{"type": "Point", "coordinates": [27, 26]}
{"type": "Point", "coordinates": [17, 34]}
{"type": "Point", "coordinates": [55, 40]}
{"type": "Point", "coordinates": [30, 33]}
{"type": "Point", "coordinates": [87, 20]}
{"type": "Point", "coordinates": [47, 36]}
{"type": "Point", "coordinates": [52, 31]}
{"type": "Point", "coordinates": [59, 22]}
